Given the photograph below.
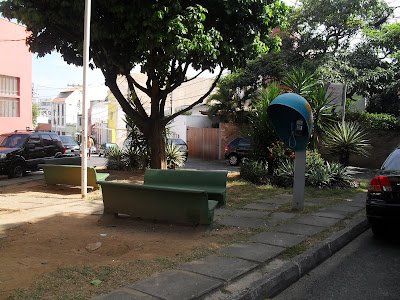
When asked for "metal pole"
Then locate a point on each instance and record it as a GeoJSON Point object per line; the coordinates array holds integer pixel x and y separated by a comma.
{"type": "Point", "coordinates": [299, 179]}
{"type": "Point", "coordinates": [86, 43]}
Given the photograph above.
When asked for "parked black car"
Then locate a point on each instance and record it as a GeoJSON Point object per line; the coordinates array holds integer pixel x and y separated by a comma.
{"type": "Point", "coordinates": [71, 147]}
{"type": "Point", "coordinates": [383, 198]}
{"type": "Point", "coordinates": [22, 151]}
{"type": "Point", "coordinates": [237, 149]}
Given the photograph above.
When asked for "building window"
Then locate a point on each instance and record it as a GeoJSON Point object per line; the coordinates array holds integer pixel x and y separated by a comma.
{"type": "Point", "coordinates": [9, 85]}
{"type": "Point", "coordinates": [9, 107]}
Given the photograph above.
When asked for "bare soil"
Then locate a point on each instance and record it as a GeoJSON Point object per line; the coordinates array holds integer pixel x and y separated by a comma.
{"type": "Point", "coordinates": [65, 240]}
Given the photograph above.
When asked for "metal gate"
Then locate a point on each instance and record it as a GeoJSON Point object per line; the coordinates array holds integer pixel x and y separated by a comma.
{"type": "Point", "coordinates": [203, 142]}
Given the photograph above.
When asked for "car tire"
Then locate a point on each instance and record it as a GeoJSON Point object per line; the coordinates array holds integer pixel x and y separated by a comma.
{"type": "Point", "coordinates": [378, 230]}
{"type": "Point", "coordinates": [233, 160]}
{"type": "Point", "coordinates": [16, 170]}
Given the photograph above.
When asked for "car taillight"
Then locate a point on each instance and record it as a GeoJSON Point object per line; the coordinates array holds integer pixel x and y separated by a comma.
{"type": "Point", "coordinates": [226, 148]}
{"type": "Point", "coordinates": [63, 150]}
{"type": "Point", "coordinates": [380, 183]}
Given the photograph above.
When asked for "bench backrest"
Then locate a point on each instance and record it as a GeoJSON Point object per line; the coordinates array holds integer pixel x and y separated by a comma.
{"type": "Point", "coordinates": [76, 160]}
{"type": "Point", "coordinates": [201, 179]}
{"type": "Point", "coordinates": [68, 174]}
{"type": "Point", "coordinates": [160, 203]}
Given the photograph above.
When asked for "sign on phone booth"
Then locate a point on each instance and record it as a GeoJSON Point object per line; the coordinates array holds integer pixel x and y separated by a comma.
{"type": "Point", "coordinates": [291, 116]}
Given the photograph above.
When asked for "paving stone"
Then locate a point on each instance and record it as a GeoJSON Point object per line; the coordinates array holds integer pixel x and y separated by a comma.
{"type": "Point", "coordinates": [336, 214]}
{"type": "Point", "coordinates": [278, 239]}
{"type": "Point", "coordinates": [344, 208]}
{"type": "Point", "coordinates": [250, 213]}
{"type": "Point", "coordinates": [316, 221]}
{"type": "Point", "coordinates": [323, 200]}
{"type": "Point", "coordinates": [299, 228]}
{"type": "Point", "coordinates": [275, 200]}
{"type": "Point", "coordinates": [280, 216]}
{"type": "Point", "coordinates": [172, 285]}
{"type": "Point", "coordinates": [253, 251]}
{"type": "Point", "coordinates": [312, 204]}
{"type": "Point", "coordinates": [225, 268]}
{"type": "Point", "coordinates": [124, 294]}
{"type": "Point", "coordinates": [242, 222]}
{"type": "Point", "coordinates": [220, 212]}
{"type": "Point", "coordinates": [261, 206]}
{"type": "Point", "coordinates": [354, 203]}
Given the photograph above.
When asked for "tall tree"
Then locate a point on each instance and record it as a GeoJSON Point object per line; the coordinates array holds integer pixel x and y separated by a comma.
{"type": "Point", "coordinates": [163, 37]}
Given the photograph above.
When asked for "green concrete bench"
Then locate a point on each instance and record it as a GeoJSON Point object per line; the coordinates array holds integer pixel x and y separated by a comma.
{"type": "Point", "coordinates": [213, 182]}
{"type": "Point", "coordinates": [68, 174]}
{"type": "Point", "coordinates": [177, 205]}
{"type": "Point", "coordinates": [76, 160]}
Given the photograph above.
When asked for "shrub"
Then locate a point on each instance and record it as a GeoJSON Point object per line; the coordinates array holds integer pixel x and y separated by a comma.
{"type": "Point", "coordinates": [344, 140]}
{"type": "Point", "coordinates": [115, 159]}
{"type": "Point", "coordinates": [254, 171]}
{"type": "Point", "coordinates": [175, 157]}
{"type": "Point", "coordinates": [277, 153]}
{"type": "Point", "coordinates": [374, 121]}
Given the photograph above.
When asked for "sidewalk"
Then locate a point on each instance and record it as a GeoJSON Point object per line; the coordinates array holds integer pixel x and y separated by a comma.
{"type": "Point", "coordinates": [253, 269]}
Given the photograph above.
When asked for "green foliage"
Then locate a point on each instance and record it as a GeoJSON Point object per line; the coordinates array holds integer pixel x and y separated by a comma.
{"type": "Point", "coordinates": [35, 113]}
{"type": "Point", "coordinates": [374, 121]}
{"type": "Point", "coordinates": [344, 140]}
{"type": "Point", "coordinates": [261, 130]}
{"type": "Point", "coordinates": [175, 157]}
{"type": "Point", "coordinates": [254, 171]}
{"type": "Point", "coordinates": [115, 159]}
{"type": "Point", "coordinates": [299, 81]}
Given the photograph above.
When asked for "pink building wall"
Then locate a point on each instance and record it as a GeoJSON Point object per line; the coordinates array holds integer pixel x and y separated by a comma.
{"type": "Point", "coordinates": [16, 61]}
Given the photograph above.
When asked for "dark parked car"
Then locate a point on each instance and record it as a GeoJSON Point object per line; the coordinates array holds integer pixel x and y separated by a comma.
{"type": "Point", "coordinates": [71, 147]}
{"type": "Point", "coordinates": [181, 144]}
{"type": "Point", "coordinates": [237, 149]}
{"type": "Point", "coordinates": [22, 151]}
{"type": "Point", "coordinates": [383, 198]}
{"type": "Point", "coordinates": [105, 148]}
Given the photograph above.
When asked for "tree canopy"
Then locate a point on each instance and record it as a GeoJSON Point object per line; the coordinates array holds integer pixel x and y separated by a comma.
{"type": "Point", "coordinates": [163, 38]}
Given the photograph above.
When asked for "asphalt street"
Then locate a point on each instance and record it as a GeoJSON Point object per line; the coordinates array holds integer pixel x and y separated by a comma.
{"type": "Point", "coordinates": [366, 268]}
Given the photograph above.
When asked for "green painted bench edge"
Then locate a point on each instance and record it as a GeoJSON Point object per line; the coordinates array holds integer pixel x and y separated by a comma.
{"type": "Point", "coordinates": [179, 205]}
{"type": "Point", "coordinates": [204, 180]}
{"type": "Point", "coordinates": [71, 174]}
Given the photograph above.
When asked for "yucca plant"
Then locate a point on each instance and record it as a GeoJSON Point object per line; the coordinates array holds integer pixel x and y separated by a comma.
{"type": "Point", "coordinates": [115, 159]}
{"type": "Point", "coordinates": [320, 175]}
{"type": "Point", "coordinates": [175, 157]}
{"type": "Point", "coordinates": [345, 139]}
{"type": "Point", "coordinates": [299, 81]}
{"type": "Point", "coordinates": [339, 172]}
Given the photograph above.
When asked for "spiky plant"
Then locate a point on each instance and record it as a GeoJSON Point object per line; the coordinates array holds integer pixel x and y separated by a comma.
{"type": "Point", "coordinates": [175, 157]}
{"type": "Point", "coordinates": [345, 139]}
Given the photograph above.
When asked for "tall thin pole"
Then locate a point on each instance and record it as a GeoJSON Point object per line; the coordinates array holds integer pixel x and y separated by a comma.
{"type": "Point", "coordinates": [86, 44]}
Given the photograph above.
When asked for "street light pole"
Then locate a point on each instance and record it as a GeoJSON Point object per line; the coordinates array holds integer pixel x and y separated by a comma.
{"type": "Point", "coordinates": [86, 44]}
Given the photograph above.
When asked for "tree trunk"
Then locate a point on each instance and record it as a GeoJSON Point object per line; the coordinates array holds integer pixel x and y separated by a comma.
{"type": "Point", "coordinates": [157, 147]}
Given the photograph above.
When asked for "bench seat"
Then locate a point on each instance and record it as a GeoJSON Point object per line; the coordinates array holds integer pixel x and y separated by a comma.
{"type": "Point", "coordinates": [70, 174]}
{"type": "Point", "coordinates": [179, 205]}
{"type": "Point", "coordinates": [213, 182]}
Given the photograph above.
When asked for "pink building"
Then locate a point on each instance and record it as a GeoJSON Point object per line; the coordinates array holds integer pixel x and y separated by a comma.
{"type": "Point", "coordinates": [15, 78]}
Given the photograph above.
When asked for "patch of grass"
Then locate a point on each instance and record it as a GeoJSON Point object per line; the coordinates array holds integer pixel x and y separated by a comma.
{"type": "Point", "coordinates": [293, 251]}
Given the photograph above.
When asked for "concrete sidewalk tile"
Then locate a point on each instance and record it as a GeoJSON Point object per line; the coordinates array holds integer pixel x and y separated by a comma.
{"type": "Point", "coordinates": [323, 200]}
{"type": "Point", "coordinates": [250, 213]}
{"type": "Point", "coordinates": [274, 201]}
{"type": "Point", "coordinates": [331, 214]}
{"type": "Point", "coordinates": [221, 211]}
{"type": "Point", "coordinates": [281, 216]}
{"type": "Point", "coordinates": [242, 222]}
{"type": "Point", "coordinates": [172, 285]}
{"type": "Point", "coordinates": [278, 239]}
{"type": "Point", "coordinates": [261, 206]}
{"type": "Point", "coordinates": [225, 268]}
{"type": "Point", "coordinates": [316, 221]}
{"type": "Point", "coordinates": [299, 228]}
{"type": "Point", "coordinates": [124, 294]}
{"type": "Point", "coordinates": [253, 251]}
{"type": "Point", "coordinates": [344, 208]}
{"type": "Point", "coordinates": [354, 203]}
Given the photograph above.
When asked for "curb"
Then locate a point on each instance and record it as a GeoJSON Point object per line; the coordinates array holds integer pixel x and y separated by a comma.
{"type": "Point", "coordinates": [275, 282]}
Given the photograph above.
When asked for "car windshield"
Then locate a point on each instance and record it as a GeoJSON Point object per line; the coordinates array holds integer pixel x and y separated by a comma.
{"type": "Point", "coordinates": [177, 141]}
{"type": "Point", "coordinates": [67, 139]}
{"type": "Point", "coordinates": [393, 161]}
{"type": "Point", "coordinates": [12, 141]}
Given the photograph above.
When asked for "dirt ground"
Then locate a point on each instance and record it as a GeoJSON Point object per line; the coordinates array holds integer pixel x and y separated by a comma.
{"type": "Point", "coordinates": [42, 246]}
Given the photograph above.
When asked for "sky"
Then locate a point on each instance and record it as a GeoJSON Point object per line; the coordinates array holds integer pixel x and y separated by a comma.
{"type": "Point", "coordinates": [51, 74]}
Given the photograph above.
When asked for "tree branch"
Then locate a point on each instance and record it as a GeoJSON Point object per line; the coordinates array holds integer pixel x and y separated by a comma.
{"type": "Point", "coordinates": [136, 100]}
{"type": "Point", "coordinates": [131, 80]}
{"type": "Point", "coordinates": [166, 120]}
